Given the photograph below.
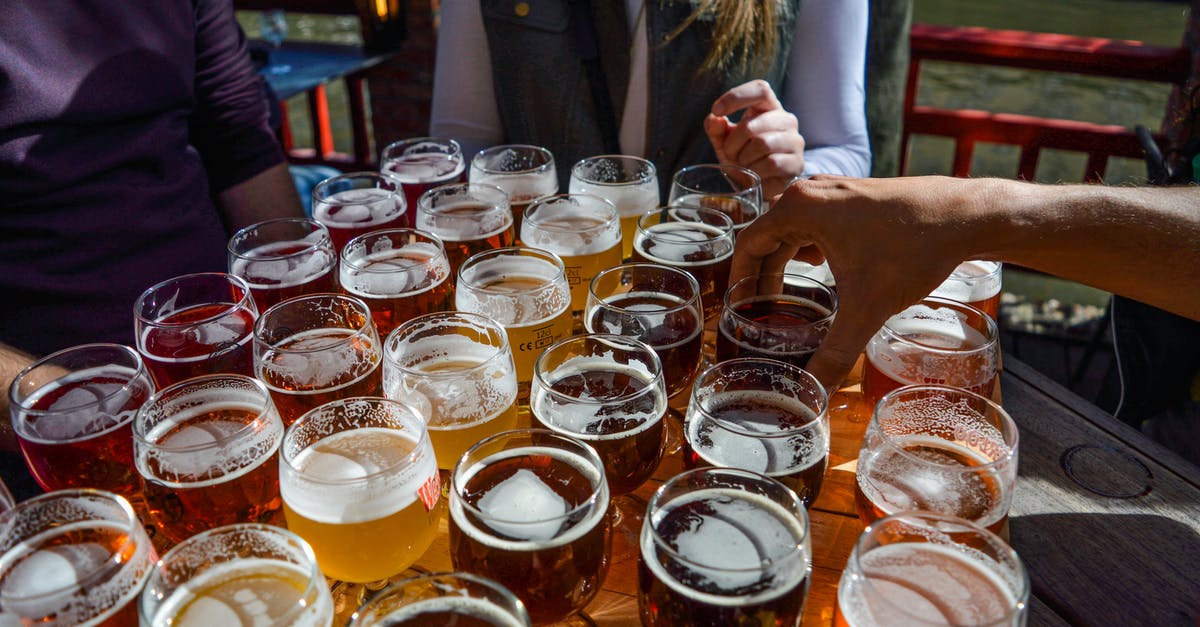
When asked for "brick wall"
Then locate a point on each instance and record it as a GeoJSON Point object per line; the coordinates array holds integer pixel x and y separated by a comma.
{"type": "Point", "coordinates": [401, 90]}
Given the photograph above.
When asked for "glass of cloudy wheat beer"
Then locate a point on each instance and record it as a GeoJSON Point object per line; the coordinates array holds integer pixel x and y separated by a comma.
{"type": "Point", "coordinates": [696, 240]}
{"type": "Point", "coordinates": [352, 204]}
{"type": "Point", "coordinates": [530, 508]}
{"type": "Point", "coordinates": [976, 283]}
{"type": "Point", "coordinates": [196, 324]}
{"type": "Point", "coordinates": [421, 163]}
{"type": "Point", "coordinates": [73, 557]}
{"type": "Point", "coordinates": [935, 341]}
{"type": "Point", "coordinates": [730, 189]}
{"type": "Point", "coordinates": [922, 568]}
{"type": "Point", "coordinates": [583, 230]}
{"type": "Point", "coordinates": [457, 370]}
{"type": "Point", "coordinates": [450, 599]}
{"type": "Point", "coordinates": [723, 547]}
{"type": "Point", "coordinates": [205, 449]}
{"type": "Point", "coordinates": [399, 273]}
{"type": "Point", "coordinates": [629, 183]}
{"type": "Point", "coordinates": [779, 316]}
{"type": "Point", "coordinates": [468, 217]}
{"type": "Point", "coordinates": [315, 349]}
{"type": "Point", "coordinates": [282, 259]}
{"type": "Point", "coordinates": [72, 413]}
{"type": "Point", "coordinates": [940, 449]}
{"type": "Point", "coordinates": [524, 172]}
{"type": "Point", "coordinates": [360, 484]}
{"type": "Point", "coordinates": [761, 415]}
{"type": "Point", "coordinates": [244, 574]}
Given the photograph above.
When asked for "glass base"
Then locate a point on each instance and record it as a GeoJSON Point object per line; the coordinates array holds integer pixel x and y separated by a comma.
{"type": "Point", "coordinates": [349, 596]}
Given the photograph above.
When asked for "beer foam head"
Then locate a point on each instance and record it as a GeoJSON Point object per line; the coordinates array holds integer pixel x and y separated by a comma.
{"type": "Point", "coordinates": [452, 379]}
{"type": "Point", "coordinates": [951, 416]}
{"type": "Point", "coordinates": [245, 591]}
{"type": "Point", "coordinates": [387, 270]}
{"type": "Point", "coordinates": [96, 401]}
{"type": "Point", "coordinates": [353, 208]}
{"type": "Point", "coordinates": [630, 200]}
{"type": "Point", "coordinates": [757, 442]}
{"type": "Point", "coordinates": [943, 328]}
{"type": "Point", "coordinates": [424, 162]}
{"type": "Point", "coordinates": [684, 243]}
{"type": "Point", "coordinates": [279, 264]}
{"type": "Point", "coordinates": [318, 359]}
{"type": "Point", "coordinates": [971, 281]}
{"type": "Point", "coordinates": [584, 414]}
{"type": "Point", "coordinates": [485, 287]}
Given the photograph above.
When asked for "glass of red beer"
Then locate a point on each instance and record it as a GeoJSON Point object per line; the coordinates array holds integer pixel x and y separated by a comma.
{"type": "Point", "coordinates": [976, 283]}
{"type": "Point", "coordinates": [72, 411]}
{"type": "Point", "coordinates": [937, 341]}
{"type": "Point", "coordinates": [443, 599]}
{"type": "Point", "coordinates": [530, 508]}
{"type": "Point", "coordinates": [723, 547]}
{"type": "Point", "coordinates": [356, 203]}
{"type": "Point", "coordinates": [922, 568]}
{"type": "Point", "coordinates": [524, 172]}
{"type": "Point", "coordinates": [196, 324]}
{"type": "Point", "coordinates": [696, 240]}
{"type": "Point", "coordinates": [399, 273]}
{"type": "Point", "coordinates": [73, 557]}
{"type": "Point", "coordinates": [469, 218]}
{"type": "Point", "coordinates": [421, 163]}
{"type": "Point", "coordinates": [730, 189]}
{"type": "Point", "coordinates": [316, 349]}
{"type": "Point", "coordinates": [779, 316]}
{"type": "Point", "coordinates": [284, 258]}
{"type": "Point", "coordinates": [761, 415]}
{"type": "Point", "coordinates": [940, 449]}
{"type": "Point", "coordinates": [206, 451]}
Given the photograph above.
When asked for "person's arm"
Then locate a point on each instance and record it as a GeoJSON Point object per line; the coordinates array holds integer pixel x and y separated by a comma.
{"type": "Point", "coordinates": [266, 195]}
{"type": "Point", "coordinates": [464, 102]}
{"type": "Point", "coordinates": [12, 362]}
{"type": "Point", "coordinates": [890, 242]}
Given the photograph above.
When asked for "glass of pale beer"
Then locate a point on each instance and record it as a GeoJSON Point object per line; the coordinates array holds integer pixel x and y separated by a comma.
{"type": "Point", "coordinates": [778, 316]}
{"type": "Point", "coordinates": [976, 283]}
{"type": "Point", "coordinates": [468, 217]}
{"type": "Point", "coordinates": [421, 163]}
{"type": "Point", "coordinates": [283, 258]}
{"type": "Point", "coordinates": [629, 183]}
{"type": "Point", "coordinates": [696, 240]}
{"type": "Point", "coordinates": [730, 189]}
{"type": "Point", "coordinates": [399, 273]}
{"type": "Point", "coordinates": [524, 172]}
{"type": "Point", "coordinates": [352, 204]}
{"type": "Point", "coordinates": [442, 599]}
{"type": "Point", "coordinates": [583, 230]}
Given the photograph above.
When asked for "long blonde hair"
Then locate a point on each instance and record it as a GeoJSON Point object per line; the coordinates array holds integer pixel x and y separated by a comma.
{"type": "Point", "coordinates": [745, 33]}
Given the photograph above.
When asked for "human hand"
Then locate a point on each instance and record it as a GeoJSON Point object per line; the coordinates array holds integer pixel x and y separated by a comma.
{"type": "Point", "coordinates": [766, 140]}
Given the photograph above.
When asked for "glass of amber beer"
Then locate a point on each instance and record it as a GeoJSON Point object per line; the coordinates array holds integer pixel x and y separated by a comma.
{"type": "Point", "coordinates": [696, 240]}
{"type": "Point", "coordinates": [469, 218]}
{"type": "Point", "coordinates": [935, 341]}
{"type": "Point", "coordinates": [443, 599]}
{"type": "Point", "coordinates": [922, 568]}
{"type": "Point", "coordinates": [244, 574]}
{"type": "Point", "coordinates": [457, 370]}
{"type": "Point", "coordinates": [761, 415]}
{"type": "Point", "coordinates": [72, 411]}
{"type": "Point", "coordinates": [976, 283]}
{"type": "Point", "coordinates": [205, 449]}
{"type": "Point", "coordinates": [399, 273]}
{"type": "Point", "coordinates": [196, 324]}
{"type": "Point", "coordinates": [730, 189]}
{"type": "Point", "coordinates": [524, 172]}
{"type": "Point", "coordinates": [284, 258]}
{"type": "Point", "coordinates": [723, 547]}
{"type": "Point", "coordinates": [421, 163]}
{"type": "Point", "coordinates": [779, 316]}
{"type": "Point", "coordinates": [360, 484]}
{"type": "Point", "coordinates": [583, 230]}
{"type": "Point", "coordinates": [72, 557]}
{"type": "Point", "coordinates": [352, 204]}
{"type": "Point", "coordinates": [315, 349]}
{"type": "Point", "coordinates": [530, 508]}
{"type": "Point", "coordinates": [629, 183]}
{"type": "Point", "coordinates": [940, 449]}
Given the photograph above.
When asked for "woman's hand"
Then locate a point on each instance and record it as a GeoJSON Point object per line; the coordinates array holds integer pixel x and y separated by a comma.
{"type": "Point", "coordinates": [766, 139]}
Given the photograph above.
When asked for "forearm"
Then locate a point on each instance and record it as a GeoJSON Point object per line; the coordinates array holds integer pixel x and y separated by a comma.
{"type": "Point", "coordinates": [264, 196]}
{"type": "Point", "coordinates": [12, 362]}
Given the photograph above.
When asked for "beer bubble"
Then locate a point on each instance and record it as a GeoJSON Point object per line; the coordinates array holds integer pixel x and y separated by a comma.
{"type": "Point", "coordinates": [523, 507]}
{"type": "Point", "coordinates": [46, 580]}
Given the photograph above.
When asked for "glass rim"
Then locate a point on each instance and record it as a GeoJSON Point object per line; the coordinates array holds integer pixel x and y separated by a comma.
{"type": "Point", "coordinates": [796, 373]}
{"type": "Point", "coordinates": [449, 142]}
{"type": "Point", "coordinates": [539, 376]}
{"type": "Point", "coordinates": [139, 370]}
{"type": "Point", "coordinates": [320, 193]}
{"type": "Point", "coordinates": [649, 174]}
{"type": "Point", "coordinates": [756, 180]}
{"type": "Point", "coordinates": [358, 303]}
{"type": "Point", "coordinates": [991, 330]}
{"type": "Point", "coordinates": [560, 275]}
{"type": "Point", "coordinates": [238, 282]}
{"type": "Point", "coordinates": [668, 211]}
{"type": "Point", "coordinates": [692, 302]}
{"type": "Point", "coordinates": [244, 232]}
{"type": "Point", "coordinates": [264, 413]}
{"type": "Point", "coordinates": [424, 201]}
{"type": "Point", "coordinates": [526, 148]}
{"type": "Point", "coordinates": [742, 320]}
{"type": "Point", "coordinates": [1007, 426]}
{"type": "Point", "coordinates": [494, 328]}
{"type": "Point", "coordinates": [609, 222]}
{"type": "Point", "coordinates": [345, 260]}
{"type": "Point", "coordinates": [394, 587]}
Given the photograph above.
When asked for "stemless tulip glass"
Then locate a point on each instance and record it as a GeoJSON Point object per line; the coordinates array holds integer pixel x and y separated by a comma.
{"type": "Point", "coordinates": [469, 218]}
{"type": "Point", "coordinates": [525, 173]}
{"type": "Point", "coordinates": [779, 316]}
{"type": "Point", "coordinates": [730, 189]}
{"type": "Point", "coordinates": [421, 163]}
{"type": "Point", "coordinates": [72, 413]}
{"type": "Point", "coordinates": [399, 273]}
{"type": "Point", "coordinates": [629, 183]}
{"type": "Point", "coordinates": [282, 259]}
{"type": "Point", "coordinates": [695, 240]}
{"type": "Point", "coordinates": [442, 599]}
{"type": "Point", "coordinates": [583, 230]}
{"type": "Point", "coordinates": [352, 204]}
{"type": "Point", "coordinates": [976, 283]}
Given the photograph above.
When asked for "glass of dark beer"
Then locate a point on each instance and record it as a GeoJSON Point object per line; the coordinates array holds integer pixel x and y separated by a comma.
{"type": "Point", "coordinates": [940, 449]}
{"type": "Point", "coordinates": [730, 189]}
{"type": "Point", "coordinates": [530, 508]}
{"type": "Point", "coordinates": [723, 547]}
{"type": "Point", "coordinates": [315, 349]}
{"type": "Point", "coordinates": [421, 163]}
{"type": "Point", "coordinates": [284, 258]}
{"type": "Point", "coordinates": [779, 316]}
{"type": "Point", "coordinates": [976, 283]}
{"type": "Point", "coordinates": [399, 273]}
{"type": "Point", "coordinates": [352, 204]}
{"type": "Point", "coordinates": [629, 183]}
{"type": "Point", "coordinates": [696, 240]}
{"type": "Point", "coordinates": [761, 415]}
{"type": "Point", "coordinates": [443, 599]}
{"type": "Point", "coordinates": [196, 324]}
{"type": "Point", "coordinates": [72, 413]}
{"type": "Point", "coordinates": [468, 217]}
{"type": "Point", "coordinates": [922, 568]}
{"type": "Point", "coordinates": [524, 172]}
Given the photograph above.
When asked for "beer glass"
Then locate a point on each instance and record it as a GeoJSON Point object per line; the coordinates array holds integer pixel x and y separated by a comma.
{"type": "Point", "coordinates": [72, 557]}
{"type": "Point", "coordinates": [778, 316]}
{"type": "Point", "coordinates": [530, 508]}
{"type": "Point", "coordinates": [352, 204]}
{"type": "Point", "coordinates": [761, 415]}
{"type": "Point", "coordinates": [421, 163]}
{"type": "Point", "coordinates": [583, 230]}
{"type": "Point", "coordinates": [525, 173]}
{"type": "Point", "coordinates": [205, 449]}
{"type": "Point", "coordinates": [696, 240]}
{"type": "Point", "coordinates": [360, 484]}
{"type": "Point", "coordinates": [195, 324]}
{"type": "Point", "coordinates": [730, 189]}
{"type": "Point", "coordinates": [457, 370]}
{"type": "Point", "coordinates": [244, 574]}
{"type": "Point", "coordinates": [72, 411]}
{"type": "Point", "coordinates": [935, 341]}
{"type": "Point", "coordinates": [723, 547]}
{"type": "Point", "coordinates": [629, 183]}
{"type": "Point", "coordinates": [976, 283]}
{"type": "Point", "coordinates": [399, 273]}
{"type": "Point", "coordinates": [469, 218]}
{"type": "Point", "coordinates": [315, 349]}
{"type": "Point", "coordinates": [282, 259]}
{"type": "Point", "coordinates": [940, 449]}
{"type": "Point", "coordinates": [526, 291]}
{"type": "Point", "coordinates": [607, 391]}
{"type": "Point", "coordinates": [442, 599]}
{"type": "Point", "coordinates": [922, 568]}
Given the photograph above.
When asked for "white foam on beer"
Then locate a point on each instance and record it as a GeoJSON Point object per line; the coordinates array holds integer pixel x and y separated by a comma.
{"type": "Point", "coordinates": [355, 208]}
{"type": "Point", "coordinates": [409, 270]}
{"type": "Point", "coordinates": [266, 266]}
{"type": "Point", "coordinates": [424, 162]}
{"type": "Point", "coordinates": [447, 401]}
{"type": "Point", "coordinates": [670, 243]}
{"type": "Point", "coordinates": [249, 592]}
{"type": "Point", "coordinates": [565, 231]}
{"type": "Point", "coordinates": [717, 202]}
{"type": "Point", "coordinates": [970, 282]}
{"type": "Point", "coordinates": [510, 308]}
{"type": "Point", "coordinates": [83, 412]}
{"type": "Point", "coordinates": [630, 200]}
{"type": "Point", "coordinates": [749, 539]}
{"type": "Point", "coordinates": [450, 222]}
{"type": "Point", "coordinates": [207, 453]}
{"type": "Point", "coordinates": [520, 186]}
{"type": "Point", "coordinates": [314, 360]}
{"type": "Point", "coordinates": [480, 609]}
{"type": "Point", "coordinates": [640, 319]}
{"type": "Point", "coordinates": [242, 332]}
{"type": "Point", "coordinates": [759, 446]}
{"type": "Point", "coordinates": [578, 419]}
{"type": "Point", "coordinates": [541, 502]}
{"type": "Point", "coordinates": [938, 346]}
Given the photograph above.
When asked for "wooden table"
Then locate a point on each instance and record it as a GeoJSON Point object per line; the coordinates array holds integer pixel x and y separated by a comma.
{"type": "Point", "coordinates": [1130, 558]}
